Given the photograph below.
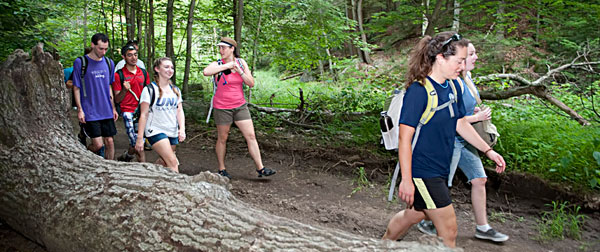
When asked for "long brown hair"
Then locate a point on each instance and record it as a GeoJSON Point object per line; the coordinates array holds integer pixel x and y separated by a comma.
{"type": "Point", "coordinates": [423, 55]}
{"type": "Point", "coordinates": [157, 64]}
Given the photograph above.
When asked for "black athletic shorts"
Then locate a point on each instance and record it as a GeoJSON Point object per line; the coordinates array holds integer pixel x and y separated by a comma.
{"type": "Point", "coordinates": [431, 193]}
{"type": "Point", "coordinates": [101, 128]}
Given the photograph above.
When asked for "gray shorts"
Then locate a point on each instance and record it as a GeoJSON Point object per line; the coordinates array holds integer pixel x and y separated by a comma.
{"type": "Point", "coordinates": [228, 116]}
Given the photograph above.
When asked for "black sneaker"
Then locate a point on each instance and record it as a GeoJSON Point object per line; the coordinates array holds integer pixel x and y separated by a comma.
{"type": "Point", "coordinates": [491, 234]}
{"type": "Point", "coordinates": [224, 173]}
{"type": "Point", "coordinates": [126, 157]}
{"type": "Point", "coordinates": [265, 172]}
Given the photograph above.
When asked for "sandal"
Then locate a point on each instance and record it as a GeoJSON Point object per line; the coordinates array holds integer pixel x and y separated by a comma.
{"type": "Point", "coordinates": [265, 172]}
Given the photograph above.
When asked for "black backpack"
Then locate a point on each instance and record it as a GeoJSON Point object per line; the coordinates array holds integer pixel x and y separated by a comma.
{"type": "Point", "coordinates": [84, 64]}
{"type": "Point", "coordinates": [136, 113]}
{"type": "Point", "coordinates": [122, 78]}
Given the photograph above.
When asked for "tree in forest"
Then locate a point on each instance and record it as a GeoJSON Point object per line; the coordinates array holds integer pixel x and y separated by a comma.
{"type": "Point", "coordinates": [188, 50]}
{"type": "Point", "coordinates": [169, 50]}
{"type": "Point", "coordinates": [66, 198]}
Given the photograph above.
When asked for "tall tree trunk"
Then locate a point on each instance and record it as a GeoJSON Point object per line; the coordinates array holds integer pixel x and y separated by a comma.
{"type": "Point", "coordinates": [256, 38]}
{"type": "Point", "coordinates": [66, 198]}
{"type": "Point", "coordinates": [150, 38]}
{"type": "Point", "coordinates": [456, 16]}
{"type": "Point", "coordinates": [130, 18]}
{"type": "Point", "coordinates": [104, 19]}
{"type": "Point", "coordinates": [188, 50]}
{"type": "Point", "coordinates": [238, 21]}
{"type": "Point", "coordinates": [349, 45]}
{"type": "Point", "coordinates": [170, 52]}
{"type": "Point", "coordinates": [121, 18]}
{"type": "Point", "coordinates": [142, 17]}
{"type": "Point", "coordinates": [501, 20]}
{"type": "Point", "coordinates": [363, 36]}
{"type": "Point", "coordinates": [85, 28]}
{"type": "Point", "coordinates": [434, 18]}
{"type": "Point", "coordinates": [112, 26]}
{"type": "Point", "coordinates": [355, 18]}
{"type": "Point", "coordinates": [138, 14]}
{"type": "Point", "coordinates": [425, 5]}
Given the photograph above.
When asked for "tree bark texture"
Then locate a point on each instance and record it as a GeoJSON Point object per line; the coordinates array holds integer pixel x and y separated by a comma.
{"type": "Point", "coordinates": [66, 198]}
{"type": "Point", "coordinates": [150, 38]}
{"type": "Point", "coordinates": [170, 51]}
{"type": "Point", "coordinates": [238, 21]}
{"type": "Point", "coordinates": [139, 4]}
{"type": "Point", "coordinates": [130, 18]}
{"type": "Point", "coordinates": [188, 49]}
{"type": "Point", "coordinates": [363, 36]}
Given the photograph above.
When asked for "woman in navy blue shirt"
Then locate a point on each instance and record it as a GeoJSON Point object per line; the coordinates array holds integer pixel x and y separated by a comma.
{"type": "Point", "coordinates": [425, 166]}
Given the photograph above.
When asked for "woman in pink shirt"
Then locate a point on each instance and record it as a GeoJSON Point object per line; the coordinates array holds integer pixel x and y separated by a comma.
{"type": "Point", "coordinates": [231, 73]}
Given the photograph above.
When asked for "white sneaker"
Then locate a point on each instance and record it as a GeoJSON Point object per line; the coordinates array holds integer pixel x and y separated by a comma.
{"type": "Point", "coordinates": [491, 235]}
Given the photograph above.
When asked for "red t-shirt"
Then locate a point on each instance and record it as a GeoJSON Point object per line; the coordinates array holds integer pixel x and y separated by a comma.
{"type": "Point", "coordinates": [136, 82]}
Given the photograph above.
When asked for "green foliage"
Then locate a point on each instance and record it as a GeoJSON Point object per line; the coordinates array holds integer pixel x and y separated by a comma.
{"type": "Point", "coordinates": [563, 154]}
{"type": "Point", "coordinates": [360, 181]}
{"type": "Point", "coordinates": [20, 23]}
{"type": "Point", "coordinates": [560, 222]}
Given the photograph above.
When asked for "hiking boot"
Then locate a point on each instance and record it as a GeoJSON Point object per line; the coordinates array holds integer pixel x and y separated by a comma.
{"type": "Point", "coordinates": [427, 227]}
{"type": "Point", "coordinates": [100, 152]}
{"type": "Point", "coordinates": [224, 173]}
{"type": "Point", "coordinates": [126, 157]}
{"type": "Point", "coordinates": [491, 235]}
{"type": "Point", "coordinates": [265, 172]}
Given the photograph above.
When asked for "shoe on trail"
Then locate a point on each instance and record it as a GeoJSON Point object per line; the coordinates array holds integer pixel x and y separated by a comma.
{"type": "Point", "coordinates": [265, 172]}
{"type": "Point", "coordinates": [491, 235]}
{"type": "Point", "coordinates": [427, 227]}
{"type": "Point", "coordinates": [224, 173]}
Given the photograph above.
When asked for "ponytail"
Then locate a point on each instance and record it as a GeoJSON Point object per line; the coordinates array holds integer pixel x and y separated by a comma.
{"type": "Point", "coordinates": [423, 55]}
{"type": "Point", "coordinates": [419, 63]}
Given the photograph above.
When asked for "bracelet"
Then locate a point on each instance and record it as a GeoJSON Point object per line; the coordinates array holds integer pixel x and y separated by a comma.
{"type": "Point", "coordinates": [488, 150]}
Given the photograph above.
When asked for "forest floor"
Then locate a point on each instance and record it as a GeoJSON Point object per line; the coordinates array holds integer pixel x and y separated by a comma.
{"type": "Point", "coordinates": [315, 185]}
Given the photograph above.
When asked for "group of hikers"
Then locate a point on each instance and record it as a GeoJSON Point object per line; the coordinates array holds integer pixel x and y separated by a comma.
{"type": "Point", "coordinates": [445, 142]}
{"type": "Point", "coordinates": [152, 111]}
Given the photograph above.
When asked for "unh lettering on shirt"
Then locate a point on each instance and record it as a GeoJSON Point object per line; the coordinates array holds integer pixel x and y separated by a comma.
{"type": "Point", "coordinates": [166, 104]}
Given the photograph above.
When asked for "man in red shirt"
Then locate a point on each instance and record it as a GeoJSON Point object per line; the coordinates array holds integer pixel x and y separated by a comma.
{"type": "Point", "coordinates": [127, 87]}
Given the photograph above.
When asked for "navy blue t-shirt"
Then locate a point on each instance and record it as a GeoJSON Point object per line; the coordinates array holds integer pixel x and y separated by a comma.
{"type": "Point", "coordinates": [433, 152]}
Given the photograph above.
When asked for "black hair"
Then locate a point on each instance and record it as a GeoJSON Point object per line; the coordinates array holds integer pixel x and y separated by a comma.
{"type": "Point", "coordinates": [99, 36]}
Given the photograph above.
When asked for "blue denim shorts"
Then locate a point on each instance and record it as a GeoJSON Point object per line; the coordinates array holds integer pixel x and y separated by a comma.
{"type": "Point", "coordinates": [466, 157]}
{"type": "Point", "coordinates": [161, 136]}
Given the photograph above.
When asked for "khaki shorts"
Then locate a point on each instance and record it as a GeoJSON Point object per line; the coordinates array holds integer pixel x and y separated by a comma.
{"type": "Point", "coordinates": [228, 116]}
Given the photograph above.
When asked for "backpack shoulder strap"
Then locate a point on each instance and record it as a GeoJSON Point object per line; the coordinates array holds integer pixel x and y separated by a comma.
{"type": "Point", "coordinates": [432, 102]}
{"type": "Point", "coordinates": [84, 64]}
{"type": "Point", "coordinates": [145, 73]}
{"type": "Point", "coordinates": [121, 76]}
{"type": "Point", "coordinates": [110, 68]}
{"type": "Point", "coordinates": [240, 63]}
{"type": "Point", "coordinates": [454, 89]}
{"type": "Point", "coordinates": [152, 93]}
